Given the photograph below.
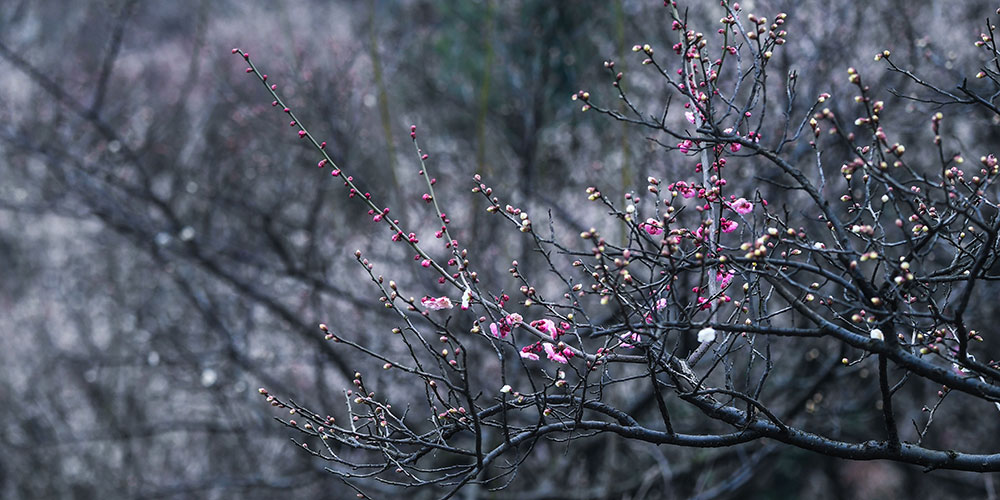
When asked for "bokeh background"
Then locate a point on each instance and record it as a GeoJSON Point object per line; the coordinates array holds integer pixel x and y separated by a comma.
{"type": "Point", "coordinates": [167, 244]}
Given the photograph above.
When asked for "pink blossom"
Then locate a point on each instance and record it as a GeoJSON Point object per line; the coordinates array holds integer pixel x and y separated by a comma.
{"type": "Point", "coordinates": [546, 326]}
{"type": "Point", "coordinates": [689, 115]}
{"type": "Point", "coordinates": [652, 226]}
{"type": "Point", "coordinates": [704, 303]}
{"type": "Point", "coordinates": [531, 351]}
{"type": "Point", "coordinates": [559, 356]}
{"type": "Point", "coordinates": [629, 339]}
{"type": "Point", "coordinates": [661, 304]}
{"type": "Point", "coordinates": [735, 147]}
{"type": "Point", "coordinates": [724, 279]}
{"type": "Point", "coordinates": [742, 206]}
{"type": "Point", "coordinates": [436, 304]}
{"type": "Point", "coordinates": [685, 146]}
{"type": "Point", "coordinates": [727, 225]}
{"type": "Point", "coordinates": [684, 189]}
{"type": "Point", "coordinates": [501, 329]}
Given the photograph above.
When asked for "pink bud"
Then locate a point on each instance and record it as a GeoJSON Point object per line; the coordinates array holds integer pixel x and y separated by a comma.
{"type": "Point", "coordinates": [286, 110]}
{"type": "Point", "coordinates": [335, 172]}
{"type": "Point", "coordinates": [249, 70]}
{"type": "Point", "coordinates": [302, 133]}
{"type": "Point", "coordinates": [424, 157]}
{"type": "Point", "coordinates": [291, 123]}
{"type": "Point", "coordinates": [322, 163]}
{"type": "Point", "coordinates": [235, 50]}
{"type": "Point", "coordinates": [263, 77]}
{"type": "Point", "coordinates": [274, 87]}
{"type": "Point", "coordinates": [323, 145]}
{"type": "Point", "coordinates": [426, 263]}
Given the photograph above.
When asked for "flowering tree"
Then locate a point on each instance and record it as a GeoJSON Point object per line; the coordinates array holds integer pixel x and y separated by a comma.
{"type": "Point", "coordinates": [725, 313]}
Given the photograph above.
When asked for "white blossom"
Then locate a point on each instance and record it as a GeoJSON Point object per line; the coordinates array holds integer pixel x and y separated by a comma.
{"type": "Point", "coordinates": [706, 334]}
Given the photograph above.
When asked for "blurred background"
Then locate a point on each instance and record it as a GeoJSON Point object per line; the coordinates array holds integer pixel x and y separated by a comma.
{"type": "Point", "coordinates": [167, 244]}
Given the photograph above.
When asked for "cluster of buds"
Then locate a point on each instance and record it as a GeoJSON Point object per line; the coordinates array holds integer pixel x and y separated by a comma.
{"type": "Point", "coordinates": [821, 115]}
{"type": "Point", "coordinates": [653, 185]}
{"type": "Point", "coordinates": [610, 66]}
{"type": "Point", "coordinates": [455, 413]}
{"type": "Point", "coordinates": [872, 255]}
{"type": "Point", "coordinates": [773, 31]}
{"type": "Point", "coordinates": [880, 55]}
{"type": "Point", "coordinates": [853, 76]}
{"type": "Point", "coordinates": [758, 249]}
{"type": "Point", "coordinates": [904, 273]}
{"type": "Point", "coordinates": [848, 169]}
{"type": "Point", "coordinates": [864, 229]}
{"type": "Point", "coordinates": [983, 40]}
{"type": "Point", "coordinates": [488, 192]}
{"type": "Point", "coordinates": [990, 162]}
{"type": "Point", "coordinates": [646, 49]}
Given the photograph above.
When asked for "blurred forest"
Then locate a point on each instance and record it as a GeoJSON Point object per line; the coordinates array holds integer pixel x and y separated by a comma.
{"type": "Point", "coordinates": [167, 244]}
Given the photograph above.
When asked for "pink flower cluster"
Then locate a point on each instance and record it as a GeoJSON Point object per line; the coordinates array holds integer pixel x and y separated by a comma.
{"type": "Point", "coordinates": [652, 226]}
{"type": "Point", "coordinates": [686, 190]}
{"type": "Point", "coordinates": [725, 225]}
{"type": "Point", "coordinates": [741, 206]}
{"type": "Point", "coordinates": [502, 329]}
{"type": "Point", "coordinates": [558, 353]}
{"type": "Point", "coordinates": [724, 279]}
{"type": "Point", "coordinates": [661, 304]}
{"type": "Point", "coordinates": [436, 304]}
{"type": "Point", "coordinates": [629, 339]}
{"type": "Point", "coordinates": [531, 351]}
{"type": "Point", "coordinates": [547, 326]}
